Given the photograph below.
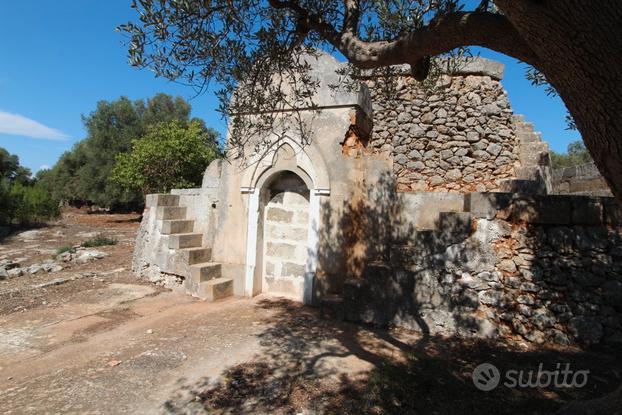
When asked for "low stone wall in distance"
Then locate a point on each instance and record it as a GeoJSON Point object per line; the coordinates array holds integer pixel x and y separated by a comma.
{"type": "Point", "coordinates": [542, 269]}
{"type": "Point", "coordinates": [580, 180]}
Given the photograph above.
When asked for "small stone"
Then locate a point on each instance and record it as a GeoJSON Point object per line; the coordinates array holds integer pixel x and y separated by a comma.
{"type": "Point", "coordinates": [34, 269]}
{"type": "Point", "coordinates": [416, 165]}
{"type": "Point", "coordinates": [436, 180]}
{"type": "Point", "coordinates": [472, 136]}
{"type": "Point", "coordinates": [490, 297]}
{"type": "Point", "coordinates": [404, 117]}
{"type": "Point", "coordinates": [428, 117]}
{"type": "Point", "coordinates": [15, 272]}
{"type": "Point", "coordinates": [507, 265]}
{"type": "Point", "coordinates": [494, 149]}
{"type": "Point", "coordinates": [150, 331]}
{"type": "Point", "coordinates": [529, 287]}
{"type": "Point", "coordinates": [534, 336]}
{"type": "Point", "coordinates": [3, 274]}
{"type": "Point", "coordinates": [559, 337]}
{"type": "Point", "coordinates": [454, 174]}
{"type": "Point", "coordinates": [525, 299]}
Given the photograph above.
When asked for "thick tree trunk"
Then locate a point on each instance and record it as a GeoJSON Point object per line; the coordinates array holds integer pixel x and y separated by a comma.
{"type": "Point", "coordinates": [578, 44]}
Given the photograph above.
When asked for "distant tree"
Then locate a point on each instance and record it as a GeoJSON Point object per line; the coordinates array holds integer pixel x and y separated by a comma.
{"type": "Point", "coordinates": [575, 155]}
{"type": "Point", "coordinates": [10, 168]}
{"type": "Point", "coordinates": [81, 175]}
{"type": "Point", "coordinates": [22, 199]}
{"type": "Point", "coordinates": [171, 155]}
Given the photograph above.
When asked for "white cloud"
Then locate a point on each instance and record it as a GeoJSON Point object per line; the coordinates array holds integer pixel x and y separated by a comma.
{"type": "Point", "coordinates": [44, 167]}
{"type": "Point", "coordinates": [16, 124]}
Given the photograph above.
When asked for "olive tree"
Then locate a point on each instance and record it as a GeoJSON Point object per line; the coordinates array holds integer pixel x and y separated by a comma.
{"type": "Point", "coordinates": [237, 44]}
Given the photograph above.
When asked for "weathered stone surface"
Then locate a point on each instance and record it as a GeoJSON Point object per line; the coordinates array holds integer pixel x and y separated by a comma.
{"type": "Point", "coordinates": [15, 272]}
{"type": "Point", "coordinates": [283, 250]}
{"type": "Point", "coordinates": [280, 215]}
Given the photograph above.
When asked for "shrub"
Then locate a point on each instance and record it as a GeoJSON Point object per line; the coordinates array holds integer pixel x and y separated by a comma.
{"type": "Point", "coordinates": [99, 240]}
{"type": "Point", "coordinates": [171, 155]}
{"type": "Point", "coordinates": [64, 249]}
{"type": "Point", "coordinates": [25, 204]}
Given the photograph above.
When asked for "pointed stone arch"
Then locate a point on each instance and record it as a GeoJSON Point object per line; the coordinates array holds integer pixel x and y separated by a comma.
{"type": "Point", "coordinates": [305, 160]}
{"type": "Point", "coordinates": [285, 155]}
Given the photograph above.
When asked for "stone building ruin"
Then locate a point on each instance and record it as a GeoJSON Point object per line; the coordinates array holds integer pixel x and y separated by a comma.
{"type": "Point", "coordinates": [432, 212]}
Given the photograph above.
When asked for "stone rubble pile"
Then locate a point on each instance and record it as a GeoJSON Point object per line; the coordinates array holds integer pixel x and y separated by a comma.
{"type": "Point", "coordinates": [12, 268]}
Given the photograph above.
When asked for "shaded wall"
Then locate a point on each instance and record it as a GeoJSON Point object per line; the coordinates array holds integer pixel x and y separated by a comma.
{"type": "Point", "coordinates": [540, 269]}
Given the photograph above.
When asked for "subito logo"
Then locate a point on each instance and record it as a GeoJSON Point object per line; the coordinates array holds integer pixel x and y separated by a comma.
{"type": "Point", "coordinates": [486, 377]}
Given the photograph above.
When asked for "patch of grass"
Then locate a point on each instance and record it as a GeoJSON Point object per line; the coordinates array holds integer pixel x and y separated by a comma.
{"type": "Point", "coordinates": [64, 249]}
{"type": "Point", "coordinates": [99, 240]}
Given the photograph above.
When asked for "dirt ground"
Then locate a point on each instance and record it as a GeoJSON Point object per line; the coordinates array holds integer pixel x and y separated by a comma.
{"type": "Point", "coordinates": [99, 340]}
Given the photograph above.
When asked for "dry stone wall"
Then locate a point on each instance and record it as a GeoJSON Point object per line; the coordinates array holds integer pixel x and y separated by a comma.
{"type": "Point", "coordinates": [542, 269]}
{"type": "Point", "coordinates": [580, 180]}
{"type": "Point", "coordinates": [457, 135]}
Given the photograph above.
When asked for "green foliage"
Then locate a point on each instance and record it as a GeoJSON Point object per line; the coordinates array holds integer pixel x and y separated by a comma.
{"type": "Point", "coordinates": [99, 240]}
{"type": "Point", "coordinates": [22, 200]}
{"type": "Point", "coordinates": [81, 176]}
{"type": "Point", "coordinates": [237, 46]}
{"type": "Point", "coordinates": [576, 155]}
{"type": "Point", "coordinates": [64, 249]}
{"type": "Point", "coordinates": [171, 155]}
{"type": "Point", "coordinates": [10, 168]}
{"type": "Point", "coordinates": [537, 78]}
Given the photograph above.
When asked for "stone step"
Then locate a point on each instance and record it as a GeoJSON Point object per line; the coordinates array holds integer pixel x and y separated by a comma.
{"type": "Point", "coordinates": [524, 187]}
{"type": "Point", "coordinates": [527, 173]}
{"type": "Point", "coordinates": [170, 212]}
{"type": "Point", "coordinates": [155, 200]}
{"type": "Point", "coordinates": [192, 256]}
{"type": "Point", "coordinates": [205, 271]}
{"type": "Point", "coordinates": [177, 226]}
{"type": "Point", "coordinates": [215, 289]}
{"type": "Point", "coordinates": [185, 240]}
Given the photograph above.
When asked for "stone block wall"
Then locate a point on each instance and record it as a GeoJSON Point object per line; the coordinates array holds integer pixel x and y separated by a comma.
{"type": "Point", "coordinates": [285, 237]}
{"type": "Point", "coordinates": [458, 135]}
{"type": "Point", "coordinates": [580, 180]}
{"type": "Point", "coordinates": [537, 269]}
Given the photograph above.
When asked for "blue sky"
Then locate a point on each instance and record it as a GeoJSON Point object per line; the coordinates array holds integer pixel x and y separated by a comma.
{"type": "Point", "coordinates": [58, 58]}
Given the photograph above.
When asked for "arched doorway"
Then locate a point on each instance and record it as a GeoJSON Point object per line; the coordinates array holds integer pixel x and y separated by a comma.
{"type": "Point", "coordinates": [288, 169]}
{"type": "Point", "coordinates": [285, 214]}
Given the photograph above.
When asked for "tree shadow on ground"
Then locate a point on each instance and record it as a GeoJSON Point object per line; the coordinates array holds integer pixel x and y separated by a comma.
{"type": "Point", "coordinates": [310, 365]}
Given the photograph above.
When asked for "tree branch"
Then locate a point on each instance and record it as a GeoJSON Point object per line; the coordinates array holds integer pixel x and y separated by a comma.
{"type": "Point", "coordinates": [490, 30]}
{"type": "Point", "coordinates": [351, 16]}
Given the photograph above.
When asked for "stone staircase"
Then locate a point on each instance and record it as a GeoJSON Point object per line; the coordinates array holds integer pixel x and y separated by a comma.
{"type": "Point", "coordinates": [533, 175]}
{"type": "Point", "coordinates": [202, 278]}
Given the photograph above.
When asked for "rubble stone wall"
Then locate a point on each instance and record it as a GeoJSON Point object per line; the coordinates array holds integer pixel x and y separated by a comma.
{"type": "Point", "coordinates": [538, 269]}
{"type": "Point", "coordinates": [458, 135]}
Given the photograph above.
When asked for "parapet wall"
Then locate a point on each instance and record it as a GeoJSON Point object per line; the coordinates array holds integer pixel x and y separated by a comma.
{"type": "Point", "coordinates": [537, 269]}
{"type": "Point", "coordinates": [580, 180]}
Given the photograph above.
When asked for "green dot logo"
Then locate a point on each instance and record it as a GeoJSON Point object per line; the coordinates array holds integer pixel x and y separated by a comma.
{"type": "Point", "coordinates": [486, 377]}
